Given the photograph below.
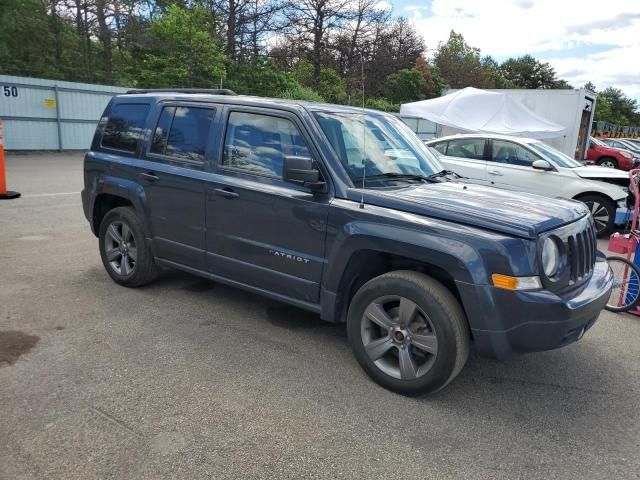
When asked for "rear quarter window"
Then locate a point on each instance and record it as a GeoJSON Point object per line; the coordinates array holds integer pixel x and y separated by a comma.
{"type": "Point", "coordinates": [124, 126]}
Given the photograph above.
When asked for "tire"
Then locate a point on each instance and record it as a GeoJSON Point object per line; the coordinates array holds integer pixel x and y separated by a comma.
{"type": "Point", "coordinates": [440, 344]}
{"type": "Point", "coordinates": [139, 267]}
{"type": "Point", "coordinates": [608, 162]}
{"type": "Point", "coordinates": [598, 204]}
{"type": "Point", "coordinates": [626, 288]}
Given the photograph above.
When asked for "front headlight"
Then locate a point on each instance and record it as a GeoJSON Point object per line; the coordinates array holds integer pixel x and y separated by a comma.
{"type": "Point", "coordinates": [550, 257]}
{"type": "Point", "coordinates": [626, 155]}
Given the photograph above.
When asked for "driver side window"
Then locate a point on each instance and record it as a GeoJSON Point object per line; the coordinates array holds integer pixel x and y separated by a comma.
{"type": "Point", "coordinates": [512, 154]}
{"type": "Point", "coordinates": [257, 143]}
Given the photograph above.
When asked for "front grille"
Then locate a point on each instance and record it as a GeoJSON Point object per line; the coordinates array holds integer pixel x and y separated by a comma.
{"type": "Point", "coordinates": [577, 242]}
{"type": "Point", "coordinates": [581, 252]}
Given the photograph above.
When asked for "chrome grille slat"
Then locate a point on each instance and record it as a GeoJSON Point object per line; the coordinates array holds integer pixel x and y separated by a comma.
{"type": "Point", "coordinates": [581, 251]}
{"type": "Point", "coordinates": [573, 258]}
{"type": "Point", "coordinates": [582, 259]}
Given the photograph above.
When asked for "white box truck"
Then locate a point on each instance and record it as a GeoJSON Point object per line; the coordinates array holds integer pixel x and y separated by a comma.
{"type": "Point", "coordinates": [572, 109]}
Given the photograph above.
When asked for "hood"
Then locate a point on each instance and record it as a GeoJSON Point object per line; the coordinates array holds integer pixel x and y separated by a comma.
{"type": "Point", "coordinates": [521, 214]}
{"type": "Point", "coordinates": [594, 171]}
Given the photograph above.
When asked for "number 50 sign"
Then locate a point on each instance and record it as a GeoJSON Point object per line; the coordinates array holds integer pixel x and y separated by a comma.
{"type": "Point", "coordinates": [8, 91]}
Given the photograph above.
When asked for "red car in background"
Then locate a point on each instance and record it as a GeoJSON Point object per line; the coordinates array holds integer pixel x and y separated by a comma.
{"type": "Point", "coordinates": [602, 154]}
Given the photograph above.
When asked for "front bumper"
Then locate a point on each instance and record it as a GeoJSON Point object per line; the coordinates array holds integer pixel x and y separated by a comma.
{"type": "Point", "coordinates": [505, 322]}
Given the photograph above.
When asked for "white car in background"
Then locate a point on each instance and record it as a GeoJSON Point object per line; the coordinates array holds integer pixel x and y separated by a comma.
{"type": "Point", "coordinates": [529, 165]}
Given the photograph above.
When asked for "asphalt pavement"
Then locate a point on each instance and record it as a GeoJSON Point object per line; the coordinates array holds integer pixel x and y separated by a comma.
{"type": "Point", "coordinates": [187, 378]}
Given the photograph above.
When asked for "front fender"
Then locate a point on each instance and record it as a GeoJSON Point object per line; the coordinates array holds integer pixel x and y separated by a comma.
{"type": "Point", "coordinates": [468, 254]}
{"type": "Point", "coordinates": [454, 256]}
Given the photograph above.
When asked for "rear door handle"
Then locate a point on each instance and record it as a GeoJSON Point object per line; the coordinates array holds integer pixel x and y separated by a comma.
{"type": "Point", "coordinates": [152, 177]}
{"type": "Point", "coordinates": [496, 173]}
{"type": "Point", "coordinates": [226, 192]}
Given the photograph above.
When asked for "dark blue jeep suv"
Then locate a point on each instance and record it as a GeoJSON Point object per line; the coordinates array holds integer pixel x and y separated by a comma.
{"type": "Point", "coordinates": [344, 212]}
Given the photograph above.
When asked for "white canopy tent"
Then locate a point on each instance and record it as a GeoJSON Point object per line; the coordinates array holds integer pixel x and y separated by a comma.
{"type": "Point", "coordinates": [475, 110]}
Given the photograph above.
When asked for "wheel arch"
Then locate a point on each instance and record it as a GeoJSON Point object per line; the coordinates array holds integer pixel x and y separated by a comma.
{"type": "Point", "coordinates": [596, 193]}
{"type": "Point", "coordinates": [103, 203]}
{"type": "Point", "coordinates": [365, 264]}
{"type": "Point", "coordinates": [112, 192]}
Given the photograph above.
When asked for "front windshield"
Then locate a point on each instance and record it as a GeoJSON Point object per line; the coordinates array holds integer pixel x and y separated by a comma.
{"type": "Point", "coordinates": [598, 142]}
{"type": "Point", "coordinates": [390, 148]}
{"type": "Point", "coordinates": [630, 145]}
{"type": "Point", "coordinates": [554, 155]}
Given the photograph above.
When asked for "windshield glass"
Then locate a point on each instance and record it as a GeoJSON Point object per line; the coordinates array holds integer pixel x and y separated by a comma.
{"type": "Point", "coordinates": [391, 149]}
{"type": "Point", "coordinates": [556, 156]}
{"type": "Point", "coordinates": [598, 142]}
{"type": "Point", "coordinates": [630, 145]}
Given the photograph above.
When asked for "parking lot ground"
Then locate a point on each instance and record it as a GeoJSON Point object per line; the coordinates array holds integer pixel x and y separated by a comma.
{"type": "Point", "coordinates": [187, 378]}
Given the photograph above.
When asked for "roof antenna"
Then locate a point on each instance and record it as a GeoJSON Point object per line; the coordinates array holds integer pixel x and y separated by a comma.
{"type": "Point", "coordinates": [364, 136]}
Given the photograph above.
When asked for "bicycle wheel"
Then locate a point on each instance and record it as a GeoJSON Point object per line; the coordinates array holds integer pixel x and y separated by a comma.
{"type": "Point", "coordinates": [626, 285]}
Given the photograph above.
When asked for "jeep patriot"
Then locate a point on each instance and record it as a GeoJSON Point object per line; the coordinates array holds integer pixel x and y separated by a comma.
{"type": "Point", "coordinates": [344, 212]}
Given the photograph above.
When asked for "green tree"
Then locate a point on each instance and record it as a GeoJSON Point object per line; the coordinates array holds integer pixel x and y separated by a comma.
{"type": "Point", "coordinates": [460, 64]}
{"type": "Point", "coordinates": [181, 51]}
{"type": "Point", "coordinates": [614, 106]}
{"type": "Point", "coordinates": [298, 92]}
{"type": "Point", "coordinates": [302, 73]}
{"type": "Point", "coordinates": [381, 103]}
{"type": "Point", "coordinates": [34, 43]}
{"type": "Point", "coordinates": [406, 85]}
{"type": "Point", "coordinates": [331, 86]}
{"type": "Point", "coordinates": [492, 75]}
{"type": "Point", "coordinates": [591, 87]}
{"type": "Point", "coordinates": [529, 72]}
{"type": "Point", "coordinates": [259, 77]}
{"type": "Point", "coordinates": [430, 89]}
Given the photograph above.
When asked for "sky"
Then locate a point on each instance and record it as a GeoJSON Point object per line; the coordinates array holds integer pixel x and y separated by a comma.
{"type": "Point", "coordinates": [584, 40]}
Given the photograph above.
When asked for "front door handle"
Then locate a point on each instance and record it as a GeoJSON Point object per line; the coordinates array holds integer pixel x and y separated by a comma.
{"type": "Point", "coordinates": [496, 173]}
{"type": "Point", "coordinates": [152, 177]}
{"type": "Point", "coordinates": [226, 192]}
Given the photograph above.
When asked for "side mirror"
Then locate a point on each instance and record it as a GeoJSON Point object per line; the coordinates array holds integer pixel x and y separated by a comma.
{"type": "Point", "coordinates": [542, 165]}
{"type": "Point", "coordinates": [303, 171]}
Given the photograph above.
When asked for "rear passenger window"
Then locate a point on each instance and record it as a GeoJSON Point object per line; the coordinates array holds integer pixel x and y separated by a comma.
{"type": "Point", "coordinates": [182, 132]}
{"type": "Point", "coordinates": [258, 143]}
{"type": "Point", "coordinates": [472, 148]}
{"type": "Point", "coordinates": [125, 126]}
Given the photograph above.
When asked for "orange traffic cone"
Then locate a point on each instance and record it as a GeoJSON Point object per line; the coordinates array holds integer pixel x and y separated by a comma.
{"type": "Point", "coordinates": [4, 193]}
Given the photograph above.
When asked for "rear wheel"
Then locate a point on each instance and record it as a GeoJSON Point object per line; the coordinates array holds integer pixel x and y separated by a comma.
{"type": "Point", "coordinates": [123, 249]}
{"type": "Point", "coordinates": [408, 332]}
{"type": "Point", "coordinates": [603, 211]}
{"type": "Point", "coordinates": [608, 162]}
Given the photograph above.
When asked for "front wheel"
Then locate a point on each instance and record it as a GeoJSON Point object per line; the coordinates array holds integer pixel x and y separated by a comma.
{"type": "Point", "coordinates": [603, 211]}
{"type": "Point", "coordinates": [608, 162]}
{"type": "Point", "coordinates": [408, 332]}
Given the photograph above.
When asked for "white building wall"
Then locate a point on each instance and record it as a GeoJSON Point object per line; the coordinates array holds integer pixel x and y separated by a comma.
{"type": "Point", "coordinates": [41, 114]}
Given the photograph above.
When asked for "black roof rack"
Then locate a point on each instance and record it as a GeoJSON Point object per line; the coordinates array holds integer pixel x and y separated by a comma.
{"type": "Point", "coordinates": [210, 91]}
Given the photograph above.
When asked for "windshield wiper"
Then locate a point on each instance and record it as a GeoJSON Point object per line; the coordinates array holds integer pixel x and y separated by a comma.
{"type": "Point", "coordinates": [396, 176]}
{"type": "Point", "coordinates": [444, 173]}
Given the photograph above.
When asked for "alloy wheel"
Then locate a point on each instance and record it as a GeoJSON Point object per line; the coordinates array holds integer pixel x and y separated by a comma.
{"type": "Point", "coordinates": [608, 164]}
{"type": "Point", "coordinates": [600, 215]}
{"type": "Point", "coordinates": [398, 337]}
{"type": "Point", "coordinates": [120, 248]}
